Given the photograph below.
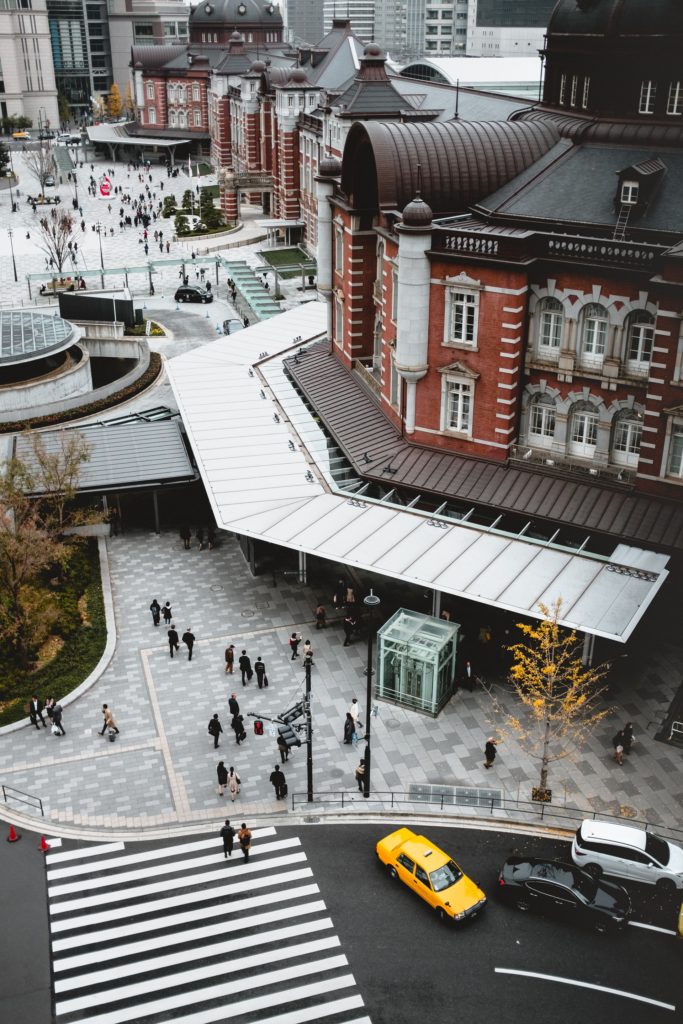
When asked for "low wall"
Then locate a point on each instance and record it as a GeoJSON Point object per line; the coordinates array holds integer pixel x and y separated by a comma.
{"type": "Point", "coordinates": [70, 385]}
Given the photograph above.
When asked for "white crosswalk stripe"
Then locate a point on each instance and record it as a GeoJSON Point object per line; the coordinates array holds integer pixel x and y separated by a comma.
{"type": "Point", "coordinates": [240, 940]}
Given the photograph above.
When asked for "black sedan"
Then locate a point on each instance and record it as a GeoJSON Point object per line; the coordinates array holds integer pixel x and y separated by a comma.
{"type": "Point", "coordinates": [193, 293]}
{"type": "Point", "coordinates": [564, 891]}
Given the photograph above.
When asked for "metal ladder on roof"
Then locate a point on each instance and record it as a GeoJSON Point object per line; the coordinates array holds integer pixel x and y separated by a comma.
{"type": "Point", "coordinates": [622, 221]}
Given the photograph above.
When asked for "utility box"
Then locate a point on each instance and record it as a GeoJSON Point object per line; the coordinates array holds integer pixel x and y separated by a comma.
{"type": "Point", "coordinates": [416, 661]}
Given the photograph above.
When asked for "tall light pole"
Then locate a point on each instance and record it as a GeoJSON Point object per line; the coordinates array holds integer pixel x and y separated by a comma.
{"type": "Point", "coordinates": [11, 244]}
{"type": "Point", "coordinates": [11, 194]}
{"type": "Point", "coordinates": [98, 228]}
{"type": "Point", "coordinates": [371, 602]}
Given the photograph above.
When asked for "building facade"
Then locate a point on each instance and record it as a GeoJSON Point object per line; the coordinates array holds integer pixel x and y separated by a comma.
{"type": "Point", "coordinates": [513, 289]}
{"type": "Point", "coordinates": [303, 20]}
{"type": "Point", "coordinates": [27, 78]}
{"type": "Point", "coordinates": [151, 22]}
{"type": "Point", "coordinates": [81, 51]}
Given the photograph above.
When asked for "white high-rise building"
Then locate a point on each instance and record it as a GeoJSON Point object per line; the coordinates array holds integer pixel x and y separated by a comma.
{"type": "Point", "coordinates": [27, 75]}
{"type": "Point", "coordinates": [360, 12]}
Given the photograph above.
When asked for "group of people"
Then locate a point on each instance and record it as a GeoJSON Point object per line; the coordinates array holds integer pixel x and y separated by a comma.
{"type": "Point", "coordinates": [188, 637]}
{"type": "Point", "coordinates": [244, 837]}
{"type": "Point", "coordinates": [622, 742]}
{"type": "Point", "coordinates": [55, 712]}
{"type": "Point", "coordinates": [247, 671]}
{"type": "Point", "coordinates": [202, 536]}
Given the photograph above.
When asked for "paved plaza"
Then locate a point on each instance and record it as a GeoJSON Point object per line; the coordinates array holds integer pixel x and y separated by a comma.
{"type": "Point", "coordinates": [161, 770]}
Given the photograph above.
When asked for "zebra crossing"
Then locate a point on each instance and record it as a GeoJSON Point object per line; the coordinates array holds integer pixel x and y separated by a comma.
{"type": "Point", "coordinates": [179, 934]}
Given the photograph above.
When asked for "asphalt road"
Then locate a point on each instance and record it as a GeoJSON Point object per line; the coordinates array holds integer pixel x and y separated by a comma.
{"type": "Point", "coordinates": [412, 969]}
{"type": "Point", "coordinates": [408, 967]}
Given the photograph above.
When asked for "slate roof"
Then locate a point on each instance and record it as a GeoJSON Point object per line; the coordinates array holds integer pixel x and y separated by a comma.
{"type": "Point", "coordinates": [534, 193]}
{"type": "Point", "coordinates": [358, 425]}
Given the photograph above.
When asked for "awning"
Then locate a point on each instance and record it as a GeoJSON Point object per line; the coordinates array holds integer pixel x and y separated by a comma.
{"type": "Point", "coordinates": [116, 134]}
{"type": "Point", "coordinates": [272, 224]}
{"type": "Point", "coordinates": [265, 463]}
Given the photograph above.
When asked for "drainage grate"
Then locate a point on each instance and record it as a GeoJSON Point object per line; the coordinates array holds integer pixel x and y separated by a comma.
{"type": "Point", "coordinates": [462, 796]}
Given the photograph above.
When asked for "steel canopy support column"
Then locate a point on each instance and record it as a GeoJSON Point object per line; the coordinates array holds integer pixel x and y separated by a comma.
{"type": "Point", "coordinates": [302, 567]}
{"type": "Point", "coordinates": [155, 503]}
{"type": "Point", "coordinates": [436, 603]}
{"type": "Point", "coordinates": [588, 648]}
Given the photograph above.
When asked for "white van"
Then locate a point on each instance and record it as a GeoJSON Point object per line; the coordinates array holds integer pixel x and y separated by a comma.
{"type": "Point", "coordinates": [627, 852]}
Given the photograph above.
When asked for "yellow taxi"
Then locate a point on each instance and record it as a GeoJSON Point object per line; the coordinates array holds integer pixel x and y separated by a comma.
{"type": "Point", "coordinates": [432, 874]}
{"type": "Point", "coordinates": [21, 135]}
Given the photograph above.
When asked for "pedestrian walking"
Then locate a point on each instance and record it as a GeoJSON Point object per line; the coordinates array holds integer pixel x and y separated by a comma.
{"type": "Point", "coordinates": [173, 644]}
{"type": "Point", "coordinates": [350, 598]}
{"type": "Point", "coordinates": [349, 626]}
{"type": "Point", "coordinates": [215, 729]}
{"type": "Point", "coordinates": [618, 742]}
{"type": "Point", "coordinates": [233, 706]}
{"type": "Point", "coordinates": [260, 670]}
{"type": "Point", "coordinates": [490, 752]}
{"type": "Point", "coordinates": [468, 676]}
{"type": "Point", "coordinates": [155, 609]}
{"type": "Point", "coordinates": [222, 773]}
{"type": "Point", "coordinates": [628, 737]}
{"type": "Point", "coordinates": [283, 748]}
{"type": "Point", "coordinates": [57, 727]}
{"type": "Point", "coordinates": [245, 668]}
{"type": "Point", "coordinates": [109, 722]}
{"type": "Point", "coordinates": [186, 533]}
{"type": "Point", "coordinates": [237, 726]}
{"type": "Point", "coordinates": [228, 837]}
{"type": "Point", "coordinates": [349, 729]}
{"type": "Point", "coordinates": [188, 640]}
{"type": "Point", "coordinates": [308, 653]}
{"type": "Point", "coordinates": [320, 617]}
{"type": "Point", "coordinates": [49, 705]}
{"type": "Point", "coordinates": [210, 537]}
{"type": "Point", "coordinates": [360, 774]}
{"type": "Point", "coordinates": [200, 537]}
{"type": "Point", "coordinates": [229, 659]}
{"type": "Point", "coordinates": [35, 711]}
{"type": "Point", "coordinates": [339, 593]}
{"type": "Point", "coordinates": [167, 613]}
{"type": "Point", "coordinates": [244, 838]}
{"type": "Point", "coordinates": [294, 641]}
{"type": "Point", "coordinates": [354, 711]}
{"type": "Point", "coordinates": [234, 783]}
{"type": "Point", "coordinates": [279, 783]}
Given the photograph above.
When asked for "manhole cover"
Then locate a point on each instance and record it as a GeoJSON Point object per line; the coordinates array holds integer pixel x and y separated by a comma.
{"type": "Point", "coordinates": [247, 613]}
{"type": "Point", "coordinates": [217, 586]}
{"type": "Point", "coordinates": [337, 773]}
{"type": "Point", "coordinates": [311, 819]}
{"type": "Point", "coordinates": [391, 723]}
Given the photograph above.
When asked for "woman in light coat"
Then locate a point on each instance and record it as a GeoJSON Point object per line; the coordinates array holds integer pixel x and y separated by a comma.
{"type": "Point", "coordinates": [234, 783]}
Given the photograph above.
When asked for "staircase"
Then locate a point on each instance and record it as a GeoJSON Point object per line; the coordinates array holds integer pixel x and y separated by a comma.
{"type": "Point", "coordinates": [622, 221]}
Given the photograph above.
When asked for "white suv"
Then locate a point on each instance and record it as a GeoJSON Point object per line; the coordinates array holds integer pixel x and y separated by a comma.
{"type": "Point", "coordinates": [628, 852]}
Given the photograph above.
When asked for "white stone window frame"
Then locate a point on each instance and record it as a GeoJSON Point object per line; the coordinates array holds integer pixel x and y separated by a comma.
{"type": "Point", "coordinates": [632, 420]}
{"type": "Point", "coordinates": [629, 193]}
{"type": "Point", "coordinates": [339, 248]}
{"type": "Point", "coordinates": [197, 118]}
{"type": "Point", "coordinates": [674, 103]}
{"type": "Point", "coordinates": [470, 290]}
{"type": "Point", "coordinates": [173, 119]}
{"type": "Point", "coordinates": [457, 376]}
{"type": "Point", "coordinates": [672, 456]}
{"type": "Point", "coordinates": [547, 404]}
{"type": "Point", "coordinates": [592, 360]}
{"type": "Point", "coordinates": [639, 323]}
{"type": "Point", "coordinates": [339, 321]}
{"type": "Point", "coordinates": [196, 95]}
{"type": "Point", "coordinates": [590, 416]}
{"type": "Point", "coordinates": [152, 116]}
{"type": "Point", "coordinates": [648, 95]}
{"type": "Point", "coordinates": [549, 353]}
{"type": "Point", "coordinates": [150, 90]}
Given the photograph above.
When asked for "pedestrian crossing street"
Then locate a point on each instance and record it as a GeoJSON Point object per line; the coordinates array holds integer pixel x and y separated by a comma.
{"type": "Point", "coordinates": [179, 934]}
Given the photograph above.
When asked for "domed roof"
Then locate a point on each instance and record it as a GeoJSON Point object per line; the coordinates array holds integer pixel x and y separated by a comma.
{"type": "Point", "coordinates": [617, 18]}
{"type": "Point", "coordinates": [372, 50]}
{"type": "Point", "coordinates": [417, 214]}
{"type": "Point", "coordinates": [259, 13]}
{"type": "Point", "coordinates": [298, 76]}
{"type": "Point", "coordinates": [258, 66]}
{"type": "Point", "coordinates": [236, 37]}
{"type": "Point", "coordinates": [330, 167]}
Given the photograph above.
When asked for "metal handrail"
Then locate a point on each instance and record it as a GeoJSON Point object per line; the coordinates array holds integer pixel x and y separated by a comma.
{"type": "Point", "coordinates": [499, 806]}
{"type": "Point", "coordinates": [6, 795]}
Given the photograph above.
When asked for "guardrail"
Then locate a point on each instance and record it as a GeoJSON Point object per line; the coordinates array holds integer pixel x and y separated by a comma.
{"type": "Point", "coordinates": [32, 801]}
{"type": "Point", "coordinates": [496, 806]}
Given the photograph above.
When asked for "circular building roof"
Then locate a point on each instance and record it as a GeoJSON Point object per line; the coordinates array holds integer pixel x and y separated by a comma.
{"type": "Point", "coordinates": [236, 12]}
{"type": "Point", "coordinates": [640, 18]}
{"type": "Point", "coordinates": [26, 336]}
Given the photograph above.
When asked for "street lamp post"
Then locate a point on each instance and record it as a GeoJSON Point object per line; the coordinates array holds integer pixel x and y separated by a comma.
{"type": "Point", "coordinates": [98, 228]}
{"type": "Point", "coordinates": [11, 194]}
{"type": "Point", "coordinates": [11, 244]}
{"type": "Point", "coordinates": [371, 602]}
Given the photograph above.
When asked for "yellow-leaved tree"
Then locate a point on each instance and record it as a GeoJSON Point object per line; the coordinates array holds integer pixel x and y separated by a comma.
{"type": "Point", "coordinates": [563, 698]}
{"type": "Point", "coordinates": [114, 104]}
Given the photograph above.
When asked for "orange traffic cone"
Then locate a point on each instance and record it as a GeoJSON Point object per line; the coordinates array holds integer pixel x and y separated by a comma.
{"type": "Point", "coordinates": [13, 836]}
{"type": "Point", "coordinates": [44, 845]}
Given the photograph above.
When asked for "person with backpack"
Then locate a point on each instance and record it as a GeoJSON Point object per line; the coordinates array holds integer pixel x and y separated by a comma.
{"type": "Point", "coordinates": [155, 609]}
{"type": "Point", "coordinates": [228, 837]}
{"type": "Point", "coordinates": [215, 729]}
{"type": "Point", "coordinates": [244, 838]}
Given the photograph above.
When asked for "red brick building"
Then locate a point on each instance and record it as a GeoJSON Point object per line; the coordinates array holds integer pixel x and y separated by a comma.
{"type": "Point", "coordinates": [512, 290]}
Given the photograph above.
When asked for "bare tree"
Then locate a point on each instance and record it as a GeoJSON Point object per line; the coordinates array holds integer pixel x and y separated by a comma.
{"type": "Point", "coordinates": [41, 163]}
{"type": "Point", "coordinates": [56, 234]}
{"type": "Point", "coordinates": [52, 473]}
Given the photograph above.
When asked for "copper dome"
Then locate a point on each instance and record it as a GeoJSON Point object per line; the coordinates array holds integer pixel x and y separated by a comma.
{"type": "Point", "coordinates": [417, 214]}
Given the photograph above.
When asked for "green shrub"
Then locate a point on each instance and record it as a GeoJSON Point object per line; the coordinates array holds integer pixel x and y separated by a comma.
{"type": "Point", "coordinates": [169, 206]}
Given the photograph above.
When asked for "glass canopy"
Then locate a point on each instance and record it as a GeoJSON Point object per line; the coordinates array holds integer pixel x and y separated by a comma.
{"type": "Point", "coordinates": [416, 661]}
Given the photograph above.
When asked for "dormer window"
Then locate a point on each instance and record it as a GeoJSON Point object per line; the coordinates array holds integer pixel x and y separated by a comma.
{"type": "Point", "coordinates": [563, 90]}
{"type": "Point", "coordinates": [629, 193]}
{"type": "Point", "coordinates": [586, 92]}
{"type": "Point", "coordinates": [574, 92]}
{"type": "Point", "coordinates": [675, 101]}
{"type": "Point", "coordinates": [648, 92]}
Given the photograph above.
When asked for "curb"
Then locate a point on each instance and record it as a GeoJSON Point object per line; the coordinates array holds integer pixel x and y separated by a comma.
{"type": "Point", "coordinates": [109, 647]}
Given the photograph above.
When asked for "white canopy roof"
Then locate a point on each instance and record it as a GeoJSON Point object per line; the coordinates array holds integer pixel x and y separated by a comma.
{"type": "Point", "coordinates": [241, 412]}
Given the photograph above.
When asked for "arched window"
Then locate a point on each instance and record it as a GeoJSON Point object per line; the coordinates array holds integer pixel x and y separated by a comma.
{"type": "Point", "coordinates": [550, 326]}
{"type": "Point", "coordinates": [197, 118]}
{"type": "Point", "coordinates": [542, 421]}
{"type": "Point", "coordinates": [583, 437]}
{"type": "Point", "coordinates": [182, 119]}
{"type": "Point", "coordinates": [594, 322]}
{"type": "Point", "coordinates": [379, 277]}
{"type": "Point", "coordinates": [640, 336]}
{"type": "Point", "coordinates": [173, 119]}
{"type": "Point", "coordinates": [182, 94]}
{"type": "Point", "coordinates": [626, 437]}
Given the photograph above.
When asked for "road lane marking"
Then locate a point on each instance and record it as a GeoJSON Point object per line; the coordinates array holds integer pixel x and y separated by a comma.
{"type": "Point", "coordinates": [652, 927]}
{"type": "Point", "coordinates": [585, 984]}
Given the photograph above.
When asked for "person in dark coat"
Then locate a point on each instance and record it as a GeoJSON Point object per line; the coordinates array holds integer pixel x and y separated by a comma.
{"type": "Point", "coordinates": [173, 644]}
{"type": "Point", "coordinates": [245, 668]}
{"type": "Point", "coordinates": [283, 748]}
{"type": "Point", "coordinates": [360, 774]}
{"type": "Point", "coordinates": [229, 659]}
{"type": "Point", "coordinates": [200, 537]}
{"type": "Point", "coordinates": [186, 536]}
{"type": "Point", "coordinates": [349, 626]}
{"type": "Point", "coordinates": [349, 728]}
{"type": "Point", "coordinates": [339, 593]}
{"type": "Point", "coordinates": [294, 642]}
{"type": "Point", "coordinates": [57, 718]}
{"type": "Point", "coordinates": [244, 837]}
{"type": "Point", "coordinates": [155, 609]}
{"type": "Point", "coordinates": [627, 734]}
{"type": "Point", "coordinates": [320, 617]}
{"type": "Point", "coordinates": [228, 837]}
{"type": "Point", "coordinates": [222, 773]}
{"type": "Point", "coordinates": [260, 670]}
{"type": "Point", "coordinates": [215, 729]}
{"type": "Point", "coordinates": [188, 640]}
{"type": "Point", "coordinates": [490, 752]}
{"type": "Point", "coordinates": [233, 706]}
{"type": "Point", "coordinates": [35, 711]}
{"type": "Point", "coordinates": [237, 726]}
{"type": "Point", "coordinates": [167, 613]}
{"type": "Point", "coordinates": [278, 782]}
